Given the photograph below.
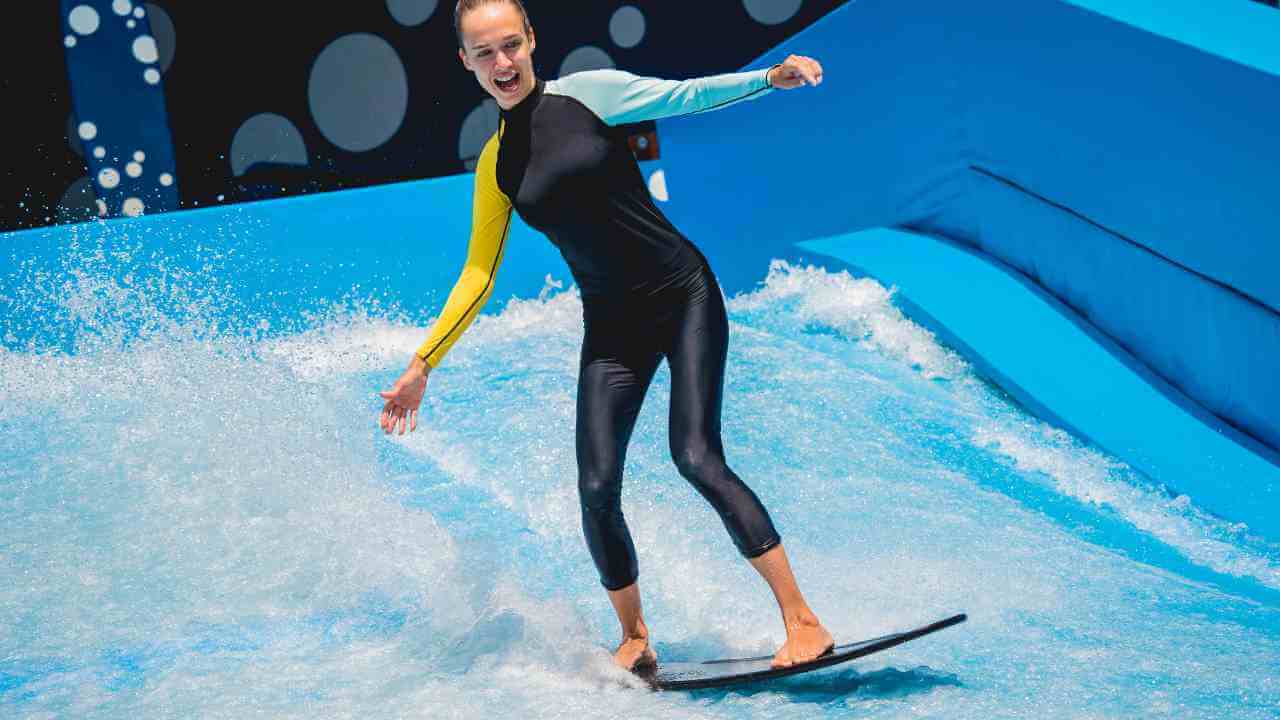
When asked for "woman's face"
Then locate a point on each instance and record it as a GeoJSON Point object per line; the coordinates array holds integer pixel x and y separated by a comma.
{"type": "Point", "coordinates": [496, 49]}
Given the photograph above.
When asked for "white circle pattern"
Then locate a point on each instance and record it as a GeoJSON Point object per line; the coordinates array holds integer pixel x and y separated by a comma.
{"type": "Point", "coordinates": [626, 27]}
{"type": "Point", "coordinates": [587, 57]}
{"type": "Point", "coordinates": [411, 12]}
{"type": "Point", "coordinates": [144, 49]}
{"type": "Point", "coordinates": [108, 178]}
{"type": "Point", "coordinates": [83, 19]}
{"type": "Point", "coordinates": [358, 92]}
{"type": "Point", "coordinates": [772, 12]}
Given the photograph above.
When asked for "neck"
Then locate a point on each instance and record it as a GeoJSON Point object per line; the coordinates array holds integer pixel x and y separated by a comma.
{"type": "Point", "coordinates": [528, 101]}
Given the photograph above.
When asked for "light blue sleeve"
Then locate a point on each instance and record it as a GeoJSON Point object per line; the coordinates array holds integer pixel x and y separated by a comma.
{"type": "Point", "coordinates": [619, 97]}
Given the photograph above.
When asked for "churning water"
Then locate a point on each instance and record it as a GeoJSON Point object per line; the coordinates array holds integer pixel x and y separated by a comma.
{"type": "Point", "coordinates": [200, 519]}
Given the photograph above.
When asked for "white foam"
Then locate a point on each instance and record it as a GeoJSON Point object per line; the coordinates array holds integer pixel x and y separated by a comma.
{"type": "Point", "coordinates": [212, 526]}
{"type": "Point", "coordinates": [1088, 476]}
{"type": "Point", "coordinates": [860, 309]}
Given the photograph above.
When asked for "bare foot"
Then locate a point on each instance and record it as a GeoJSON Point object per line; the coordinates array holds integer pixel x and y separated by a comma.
{"type": "Point", "coordinates": [635, 653]}
{"type": "Point", "coordinates": [806, 640]}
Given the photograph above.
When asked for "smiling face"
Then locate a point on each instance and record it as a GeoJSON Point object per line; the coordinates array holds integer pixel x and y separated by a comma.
{"type": "Point", "coordinates": [497, 48]}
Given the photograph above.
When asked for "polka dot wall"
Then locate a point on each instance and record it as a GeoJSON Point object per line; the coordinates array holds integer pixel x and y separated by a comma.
{"type": "Point", "coordinates": [119, 116]}
{"type": "Point", "coordinates": [272, 104]}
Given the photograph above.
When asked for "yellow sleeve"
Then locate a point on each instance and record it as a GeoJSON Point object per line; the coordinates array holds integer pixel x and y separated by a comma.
{"type": "Point", "coordinates": [490, 223]}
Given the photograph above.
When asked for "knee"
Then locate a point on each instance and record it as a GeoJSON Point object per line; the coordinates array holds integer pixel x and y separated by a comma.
{"type": "Point", "coordinates": [697, 462]}
{"type": "Point", "coordinates": [599, 488]}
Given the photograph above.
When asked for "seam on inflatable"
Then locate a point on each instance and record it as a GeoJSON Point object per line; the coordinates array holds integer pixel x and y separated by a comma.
{"type": "Point", "coordinates": [1121, 236]}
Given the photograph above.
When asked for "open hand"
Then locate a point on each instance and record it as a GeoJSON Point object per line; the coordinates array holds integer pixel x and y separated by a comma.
{"type": "Point", "coordinates": [403, 399]}
{"type": "Point", "coordinates": [795, 71]}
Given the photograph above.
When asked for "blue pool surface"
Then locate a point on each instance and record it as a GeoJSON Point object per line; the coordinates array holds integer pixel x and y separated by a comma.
{"type": "Point", "coordinates": [198, 517]}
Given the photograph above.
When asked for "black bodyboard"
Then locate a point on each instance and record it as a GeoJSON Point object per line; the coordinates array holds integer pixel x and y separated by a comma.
{"type": "Point", "coordinates": [721, 673]}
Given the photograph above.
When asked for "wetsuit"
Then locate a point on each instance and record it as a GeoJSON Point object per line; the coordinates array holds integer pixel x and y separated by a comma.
{"type": "Point", "coordinates": [561, 161]}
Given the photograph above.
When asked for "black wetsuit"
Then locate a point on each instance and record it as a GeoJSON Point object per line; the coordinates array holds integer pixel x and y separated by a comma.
{"type": "Point", "coordinates": [647, 292]}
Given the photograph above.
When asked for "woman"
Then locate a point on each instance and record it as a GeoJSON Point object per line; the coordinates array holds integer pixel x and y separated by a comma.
{"type": "Point", "coordinates": [647, 293]}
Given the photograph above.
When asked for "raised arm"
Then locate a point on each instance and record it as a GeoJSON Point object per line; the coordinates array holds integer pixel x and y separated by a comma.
{"type": "Point", "coordinates": [490, 225]}
{"type": "Point", "coordinates": [619, 97]}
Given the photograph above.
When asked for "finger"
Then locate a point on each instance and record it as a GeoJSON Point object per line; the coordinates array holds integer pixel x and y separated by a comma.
{"type": "Point", "coordinates": [815, 70]}
{"type": "Point", "coordinates": [806, 70]}
{"type": "Point", "coordinates": [400, 421]}
{"type": "Point", "coordinates": [382, 419]}
{"type": "Point", "coordinates": [413, 420]}
{"type": "Point", "coordinates": [391, 420]}
{"type": "Point", "coordinates": [388, 394]}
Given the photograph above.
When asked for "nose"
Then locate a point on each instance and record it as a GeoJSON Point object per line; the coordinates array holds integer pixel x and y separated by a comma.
{"type": "Point", "coordinates": [502, 60]}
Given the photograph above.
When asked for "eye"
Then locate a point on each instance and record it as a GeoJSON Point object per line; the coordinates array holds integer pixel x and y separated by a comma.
{"type": "Point", "coordinates": [483, 53]}
{"type": "Point", "coordinates": [513, 44]}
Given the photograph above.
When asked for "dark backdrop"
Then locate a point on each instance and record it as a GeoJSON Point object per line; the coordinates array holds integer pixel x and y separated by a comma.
{"type": "Point", "coordinates": [239, 80]}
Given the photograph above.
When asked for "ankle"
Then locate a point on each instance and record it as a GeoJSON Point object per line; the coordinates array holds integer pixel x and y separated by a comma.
{"type": "Point", "coordinates": [800, 617]}
{"type": "Point", "coordinates": [639, 631]}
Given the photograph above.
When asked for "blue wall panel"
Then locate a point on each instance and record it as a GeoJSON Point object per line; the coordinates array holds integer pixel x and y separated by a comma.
{"type": "Point", "coordinates": [1133, 175]}
{"type": "Point", "coordinates": [1216, 341]}
{"type": "Point", "coordinates": [1161, 142]}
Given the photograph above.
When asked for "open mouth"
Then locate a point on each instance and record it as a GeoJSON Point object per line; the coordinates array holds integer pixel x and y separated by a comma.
{"type": "Point", "coordinates": [507, 85]}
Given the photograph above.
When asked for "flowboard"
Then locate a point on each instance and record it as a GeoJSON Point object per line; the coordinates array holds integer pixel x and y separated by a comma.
{"type": "Point", "coordinates": [720, 673]}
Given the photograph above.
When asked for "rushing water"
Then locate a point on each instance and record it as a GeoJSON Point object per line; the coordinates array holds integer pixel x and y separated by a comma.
{"type": "Point", "coordinates": [199, 521]}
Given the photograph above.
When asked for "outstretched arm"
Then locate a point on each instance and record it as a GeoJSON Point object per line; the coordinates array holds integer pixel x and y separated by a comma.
{"type": "Point", "coordinates": [490, 224]}
{"type": "Point", "coordinates": [620, 97]}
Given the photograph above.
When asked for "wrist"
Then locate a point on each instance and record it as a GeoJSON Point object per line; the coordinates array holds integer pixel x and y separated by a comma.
{"type": "Point", "coordinates": [420, 366]}
{"type": "Point", "coordinates": [768, 76]}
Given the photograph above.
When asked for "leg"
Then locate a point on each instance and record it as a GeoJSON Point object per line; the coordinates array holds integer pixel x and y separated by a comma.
{"type": "Point", "coordinates": [806, 637]}
{"type": "Point", "coordinates": [697, 360]}
{"type": "Point", "coordinates": [610, 392]}
{"type": "Point", "coordinates": [634, 651]}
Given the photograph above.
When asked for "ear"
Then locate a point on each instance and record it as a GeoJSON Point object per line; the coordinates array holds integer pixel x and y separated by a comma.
{"type": "Point", "coordinates": [533, 40]}
{"type": "Point", "coordinates": [462, 55]}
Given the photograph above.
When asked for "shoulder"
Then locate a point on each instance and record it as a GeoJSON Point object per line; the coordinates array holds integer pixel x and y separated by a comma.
{"type": "Point", "coordinates": [488, 158]}
{"type": "Point", "coordinates": [599, 90]}
{"type": "Point", "coordinates": [487, 164]}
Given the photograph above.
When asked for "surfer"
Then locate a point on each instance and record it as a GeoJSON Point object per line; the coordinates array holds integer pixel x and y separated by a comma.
{"type": "Point", "coordinates": [647, 293]}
